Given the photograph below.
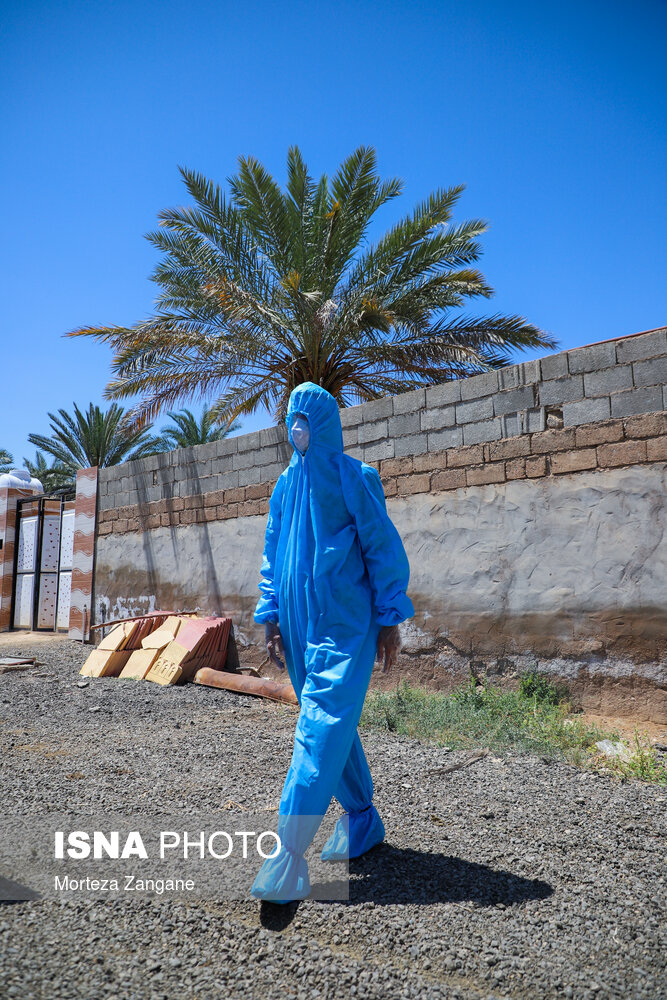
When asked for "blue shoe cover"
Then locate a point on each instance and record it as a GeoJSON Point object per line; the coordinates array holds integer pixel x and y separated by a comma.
{"type": "Point", "coordinates": [282, 879]}
{"type": "Point", "coordinates": [366, 829]}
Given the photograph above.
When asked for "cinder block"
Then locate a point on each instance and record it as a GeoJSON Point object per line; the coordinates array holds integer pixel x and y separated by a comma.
{"type": "Point", "coordinates": [530, 371]}
{"type": "Point", "coordinates": [536, 466]}
{"type": "Point", "coordinates": [245, 460]}
{"type": "Point", "coordinates": [414, 484]}
{"type": "Point", "coordinates": [448, 479]}
{"type": "Point", "coordinates": [121, 498]}
{"type": "Point", "coordinates": [622, 453]}
{"type": "Point", "coordinates": [350, 415]}
{"type": "Point", "coordinates": [350, 436]}
{"type": "Point", "coordinates": [561, 390]}
{"type": "Point", "coordinates": [513, 376]}
{"type": "Point", "coordinates": [375, 452]}
{"type": "Point", "coordinates": [511, 424]}
{"type": "Point", "coordinates": [513, 400]}
{"type": "Point", "coordinates": [166, 474]}
{"type": "Point", "coordinates": [450, 437]}
{"type": "Point", "coordinates": [182, 456]}
{"type": "Point", "coordinates": [396, 467]}
{"type": "Point", "coordinates": [249, 442]}
{"type": "Point", "coordinates": [434, 418]}
{"type": "Point", "coordinates": [205, 452]}
{"type": "Point", "coordinates": [222, 463]}
{"type": "Point", "coordinates": [648, 345]}
{"type": "Point", "coordinates": [509, 378]}
{"type": "Point", "coordinates": [186, 488]}
{"type": "Point", "coordinates": [585, 411]}
{"type": "Point", "coordinates": [227, 446]}
{"type": "Point", "coordinates": [407, 402]}
{"type": "Point", "coordinates": [644, 400]}
{"type": "Point", "coordinates": [656, 449]}
{"type": "Point", "coordinates": [554, 366]}
{"type": "Point", "coordinates": [592, 358]}
{"type": "Point", "coordinates": [273, 435]}
{"type": "Point", "coordinates": [372, 431]}
{"type": "Point", "coordinates": [561, 439]}
{"type": "Point", "coordinates": [474, 410]}
{"type": "Point", "coordinates": [515, 468]}
{"type": "Point", "coordinates": [195, 470]}
{"type": "Point", "coordinates": [534, 419]}
{"type": "Point", "coordinates": [644, 425]}
{"type": "Point", "coordinates": [653, 372]}
{"type": "Point", "coordinates": [377, 409]}
{"type": "Point", "coordinates": [512, 448]}
{"type": "Point", "coordinates": [271, 472]}
{"type": "Point", "coordinates": [154, 493]}
{"type": "Point", "coordinates": [608, 380]}
{"type": "Point", "coordinates": [412, 444]}
{"type": "Point", "coordinates": [443, 395]}
{"type": "Point", "coordinates": [481, 475]}
{"type": "Point", "coordinates": [249, 476]}
{"type": "Point", "coordinates": [611, 430]}
{"type": "Point", "coordinates": [485, 430]}
{"type": "Point", "coordinates": [476, 386]}
{"type": "Point", "coordinates": [573, 461]}
{"type": "Point", "coordinates": [106, 502]}
{"type": "Point", "coordinates": [404, 423]}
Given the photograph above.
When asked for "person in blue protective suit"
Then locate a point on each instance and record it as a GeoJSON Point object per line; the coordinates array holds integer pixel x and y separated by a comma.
{"type": "Point", "coordinates": [334, 579]}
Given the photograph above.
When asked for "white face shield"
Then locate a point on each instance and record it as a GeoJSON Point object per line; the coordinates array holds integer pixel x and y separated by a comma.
{"type": "Point", "coordinates": [301, 433]}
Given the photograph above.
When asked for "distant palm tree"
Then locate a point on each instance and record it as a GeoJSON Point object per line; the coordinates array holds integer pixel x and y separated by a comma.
{"type": "Point", "coordinates": [92, 438]}
{"type": "Point", "coordinates": [267, 288]}
{"type": "Point", "coordinates": [6, 461]}
{"type": "Point", "coordinates": [188, 430]}
{"type": "Point", "coordinates": [55, 478]}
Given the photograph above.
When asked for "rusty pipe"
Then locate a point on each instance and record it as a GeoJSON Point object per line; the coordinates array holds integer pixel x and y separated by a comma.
{"type": "Point", "coordinates": [259, 686]}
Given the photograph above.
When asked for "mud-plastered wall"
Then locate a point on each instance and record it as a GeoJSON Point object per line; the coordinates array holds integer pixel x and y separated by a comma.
{"type": "Point", "coordinates": [531, 501]}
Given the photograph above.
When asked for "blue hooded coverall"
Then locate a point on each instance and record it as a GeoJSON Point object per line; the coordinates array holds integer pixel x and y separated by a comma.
{"type": "Point", "coordinates": [334, 571]}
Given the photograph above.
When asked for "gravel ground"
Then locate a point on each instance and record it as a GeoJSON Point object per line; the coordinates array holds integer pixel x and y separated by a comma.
{"type": "Point", "coordinates": [512, 877]}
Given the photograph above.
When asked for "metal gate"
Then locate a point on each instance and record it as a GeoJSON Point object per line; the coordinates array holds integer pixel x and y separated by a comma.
{"type": "Point", "coordinates": [42, 564]}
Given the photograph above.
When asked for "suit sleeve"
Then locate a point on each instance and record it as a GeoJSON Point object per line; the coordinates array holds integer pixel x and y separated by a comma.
{"type": "Point", "coordinates": [267, 606]}
{"type": "Point", "coordinates": [385, 558]}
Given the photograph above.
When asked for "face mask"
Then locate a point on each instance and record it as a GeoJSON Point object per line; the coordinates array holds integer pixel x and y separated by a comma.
{"type": "Point", "coordinates": [301, 433]}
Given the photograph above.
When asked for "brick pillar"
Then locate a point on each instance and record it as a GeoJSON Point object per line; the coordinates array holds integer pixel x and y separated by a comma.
{"type": "Point", "coordinates": [83, 561]}
{"type": "Point", "coordinates": [8, 499]}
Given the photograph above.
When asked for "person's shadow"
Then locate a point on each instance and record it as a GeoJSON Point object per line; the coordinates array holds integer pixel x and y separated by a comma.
{"type": "Point", "coordinates": [387, 875]}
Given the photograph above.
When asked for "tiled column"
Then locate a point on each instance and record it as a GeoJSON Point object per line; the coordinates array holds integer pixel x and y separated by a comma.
{"type": "Point", "coordinates": [8, 499]}
{"type": "Point", "coordinates": [85, 512]}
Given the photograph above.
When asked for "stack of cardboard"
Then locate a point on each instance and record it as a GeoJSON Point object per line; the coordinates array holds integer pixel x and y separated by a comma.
{"type": "Point", "coordinates": [161, 648]}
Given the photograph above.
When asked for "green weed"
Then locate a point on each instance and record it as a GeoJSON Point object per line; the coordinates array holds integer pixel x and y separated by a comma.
{"type": "Point", "coordinates": [537, 718]}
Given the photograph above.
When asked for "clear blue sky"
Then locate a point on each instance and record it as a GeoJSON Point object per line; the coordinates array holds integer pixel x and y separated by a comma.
{"type": "Point", "coordinates": [553, 115]}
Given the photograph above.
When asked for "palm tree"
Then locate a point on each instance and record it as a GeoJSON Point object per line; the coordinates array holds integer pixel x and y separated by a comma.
{"type": "Point", "coordinates": [55, 478]}
{"type": "Point", "coordinates": [264, 288]}
{"type": "Point", "coordinates": [6, 461]}
{"type": "Point", "coordinates": [187, 430]}
{"type": "Point", "coordinates": [92, 438]}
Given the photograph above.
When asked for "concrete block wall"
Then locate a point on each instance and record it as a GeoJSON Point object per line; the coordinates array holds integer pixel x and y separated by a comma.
{"type": "Point", "coordinates": [614, 379]}
{"type": "Point", "coordinates": [531, 501]}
